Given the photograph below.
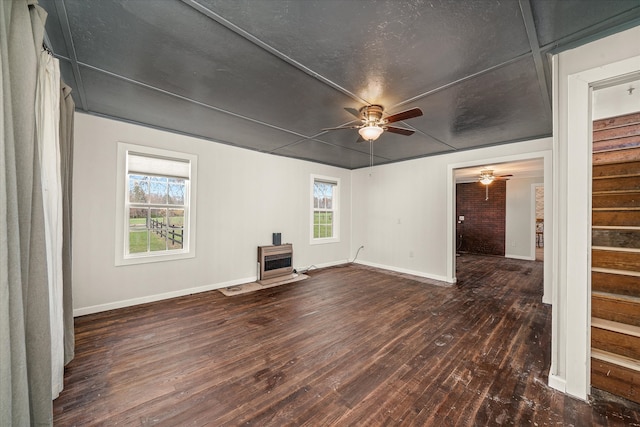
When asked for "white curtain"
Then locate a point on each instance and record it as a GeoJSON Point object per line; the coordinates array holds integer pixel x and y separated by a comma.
{"type": "Point", "coordinates": [36, 323]}
{"type": "Point", "coordinates": [47, 109]}
{"type": "Point", "coordinates": [25, 334]}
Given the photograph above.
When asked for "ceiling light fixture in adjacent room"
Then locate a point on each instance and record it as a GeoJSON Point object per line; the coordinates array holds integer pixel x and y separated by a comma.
{"type": "Point", "coordinates": [486, 177]}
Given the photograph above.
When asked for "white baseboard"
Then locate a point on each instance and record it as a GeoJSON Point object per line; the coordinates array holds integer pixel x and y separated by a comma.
{"type": "Point", "coordinates": [182, 292]}
{"type": "Point", "coordinates": [406, 271]}
{"type": "Point", "coordinates": [157, 297]}
{"type": "Point", "coordinates": [324, 265]}
{"type": "Point", "coordinates": [525, 258]}
{"type": "Point", "coordinates": [557, 383]}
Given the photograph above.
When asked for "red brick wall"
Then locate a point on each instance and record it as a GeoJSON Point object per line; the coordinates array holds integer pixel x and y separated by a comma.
{"type": "Point", "coordinates": [483, 228]}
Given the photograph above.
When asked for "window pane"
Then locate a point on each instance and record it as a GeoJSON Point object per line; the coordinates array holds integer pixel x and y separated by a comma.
{"type": "Point", "coordinates": [176, 192]}
{"type": "Point", "coordinates": [176, 232]}
{"type": "Point", "coordinates": [158, 218]}
{"type": "Point", "coordinates": [158, 240]}
{"type": "Point", "coordinates": [158, 190]}
{"type": "Point", "coordinates": [174, 238]}
{"type": "Point", "coordinates": [176, 217]}
{"type": "Point", "coordinates": [138, 241]}
{"type": "Point", "coordinates": [138, 189]}
{"type": "Point", "coordinates": [322, 194]}
{"type": "Point", "coordinates": [138, 218]}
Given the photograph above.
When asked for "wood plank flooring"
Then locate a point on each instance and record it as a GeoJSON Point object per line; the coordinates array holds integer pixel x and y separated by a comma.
{"type": "Point", "coordinates": [349, 346]}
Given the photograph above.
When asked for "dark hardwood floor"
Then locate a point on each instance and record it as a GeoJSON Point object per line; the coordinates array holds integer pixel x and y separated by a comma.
{"type": "Point", "coordinates": [348, 346]}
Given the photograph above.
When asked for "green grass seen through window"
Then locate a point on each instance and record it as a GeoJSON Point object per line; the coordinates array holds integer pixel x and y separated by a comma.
{"type": "Point", "coordinates": [322, 225]}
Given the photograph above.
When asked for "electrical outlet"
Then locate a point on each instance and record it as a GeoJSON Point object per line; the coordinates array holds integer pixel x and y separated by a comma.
{"type": "Point", "coordinates": [410, 254]}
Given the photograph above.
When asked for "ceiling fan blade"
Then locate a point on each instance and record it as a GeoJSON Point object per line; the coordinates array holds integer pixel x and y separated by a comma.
{"type": "Point", "coordinates": [502, 177]}
{"type": "Point", "coordinates": [342, 127]}
{"type": "Point", "coordinates": [353, 111]}
{"type": "Point", "coordinates": [360, 139]}
{"type": "Point", "coordinates": [400, 131]}
{"type": "Point", "coordinates": [404, 115]}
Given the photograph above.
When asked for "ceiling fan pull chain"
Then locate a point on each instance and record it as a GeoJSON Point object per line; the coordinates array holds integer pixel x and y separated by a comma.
{"type": "Point", "coordinates": [370, 156]}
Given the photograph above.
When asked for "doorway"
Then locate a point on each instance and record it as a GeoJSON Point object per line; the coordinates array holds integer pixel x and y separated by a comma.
{"type": "Point", "coordinates": [519, 236]}
{"type": "Point", "coordinates": [538, 224]}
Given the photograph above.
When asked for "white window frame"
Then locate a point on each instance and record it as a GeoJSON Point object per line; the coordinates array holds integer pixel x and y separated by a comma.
{"type": "Point", "coordinates": [122, 215]}
{"type": "Point", "coordinates": [336, 210]}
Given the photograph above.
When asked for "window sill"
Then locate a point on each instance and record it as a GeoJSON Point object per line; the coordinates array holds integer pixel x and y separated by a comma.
{"type": "Point", "coordinates": [145, 259]}
{"type": "Point", "coordinates": [324, 241]}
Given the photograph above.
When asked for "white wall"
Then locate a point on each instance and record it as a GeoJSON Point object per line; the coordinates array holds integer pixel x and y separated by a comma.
{"type": "Point", "coordinates": [575, 71]}
{"type": "Point", "coordinates": [616, 100]}
{"type": "Point", "coordinates": [402, 211]}
{"type": "Point", "coordinates": [519, 221]}
{"type": "Point", "coordinates": [243, 197]}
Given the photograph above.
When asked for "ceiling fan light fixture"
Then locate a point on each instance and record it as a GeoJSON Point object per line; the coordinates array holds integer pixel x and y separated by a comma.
{"type": "Point", "coordinates": [371, 132]}
{"type": "Point", "coordinates": [486, 177]}
{"type": "Point", "coordinates": [486, 180]}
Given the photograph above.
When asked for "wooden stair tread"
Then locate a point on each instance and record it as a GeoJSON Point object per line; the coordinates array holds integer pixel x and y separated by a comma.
{"type": "Point", "coordinates": [625, 208]}
{"type": "Point", "coordinates": [616, 259]}
{"type": "Point", "coordinates": [626, 175]}
{"type": "Point", "coordinates": [616, 359]}
{"type": "Point", "coordinates": [615, 271]}
{"type": "Point", "coordinates": [616, 134]}
{"type": "Point", "coordinates": [628, 191]}
{"type": "Point", "coordinates": [617, 121]}
{"type": "Point", "coordinates": [616, 227]}
{"type": "Point", "coordinates": [615, 218]}
{"type": "Point", "coordinates": [616, 249]}
{"type": "Point", "coordinates": [607, 295]}
{"type": "Point", "coordinates": [610, 325]}
{"type": "Point", "coordinates": [623, 155]}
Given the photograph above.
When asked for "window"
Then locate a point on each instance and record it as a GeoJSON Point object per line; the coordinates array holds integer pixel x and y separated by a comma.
{"type": "Point", "coordinates": [155, 218]}
{"type": "Point", "coordinates": [324, 210]}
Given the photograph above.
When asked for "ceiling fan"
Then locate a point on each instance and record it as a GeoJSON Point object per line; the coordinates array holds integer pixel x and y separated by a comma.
{"type": "Point", "coordinates": [487, 177]}
{"type": "Point", "coordinates": [373, 124]}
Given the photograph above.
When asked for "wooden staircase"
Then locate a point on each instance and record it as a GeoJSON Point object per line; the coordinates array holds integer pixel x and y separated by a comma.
{"type": "Point", "coordinates": [615, 258]}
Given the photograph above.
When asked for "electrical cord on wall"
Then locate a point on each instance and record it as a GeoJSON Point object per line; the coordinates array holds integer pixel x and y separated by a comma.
{"type": "Point", "coordinates": [303, 271]}
{"type": "Point", "coordinates": [355, 257]}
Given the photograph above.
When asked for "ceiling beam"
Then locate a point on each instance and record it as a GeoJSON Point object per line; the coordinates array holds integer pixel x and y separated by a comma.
{"type": "Point", "coordinates": [532, 34]}
{"type": "Point", "coordinates": [68, 41]}
{"type": "Point", "coordinates": [272, 50]}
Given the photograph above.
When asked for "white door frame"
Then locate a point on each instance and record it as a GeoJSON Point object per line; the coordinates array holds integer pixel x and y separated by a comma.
{"type": "Point", "coordinates": [572, 298]}
{"type": "Point", "coordinates": [546, 155]}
